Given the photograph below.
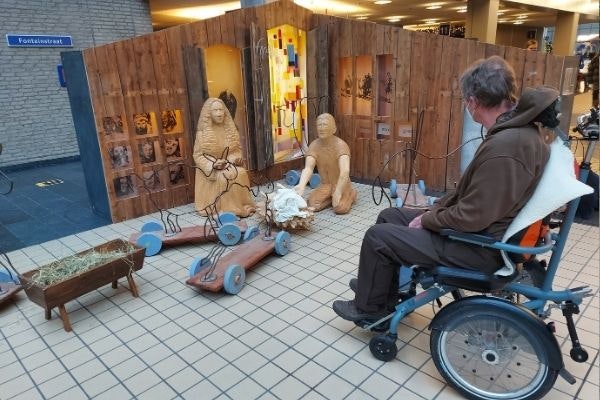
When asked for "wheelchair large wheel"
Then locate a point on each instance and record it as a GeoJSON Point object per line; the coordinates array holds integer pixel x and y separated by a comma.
{"type": "Point", "coordinates": [490, 355]}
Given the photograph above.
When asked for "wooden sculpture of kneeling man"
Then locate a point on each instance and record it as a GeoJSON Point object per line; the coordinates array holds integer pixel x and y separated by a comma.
{"type": "Point", "coordinates": [332, 157]}
{"type": "Point", "coordinates": [222, 183]}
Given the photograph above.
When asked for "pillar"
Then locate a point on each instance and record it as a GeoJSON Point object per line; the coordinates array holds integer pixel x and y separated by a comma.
{"type": "Point", "coordinates": [565, 33]}
{"type": "Point", "coordinates": [482, 20]}
{"type": "Point", "coordinates": [252, 3]}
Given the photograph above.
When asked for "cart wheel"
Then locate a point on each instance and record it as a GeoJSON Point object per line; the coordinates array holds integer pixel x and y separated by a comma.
{"type": "Point", "coordinates": [315, 180]}
{"type": "Point", "coordinates": [234, 279]}
{"type": "Point", "coordinates": [292, 177]}
{"type": "Point", "coordinates": [421, 185]}
{"type": "Point", "coordinates": [393, 188]}
{"type": "Point", "coordinates": [251, 232]}
{"type": "Point", "coordinates": [283, 241]}
{"type": "Point", "coordinates": [152, 225]}
{"type": "Point", "coordinates": [229, 234]}
{"type": "Point", "coordinates": [226, 217]}
{"type": "Point", "coordinates": [151, 242]}
{"type": "Point", "coordinates": [4, 277]}
{"type": "Point", "coordinates": [383, 347]}
{"type": "Point", "coordinates": [198, 265]}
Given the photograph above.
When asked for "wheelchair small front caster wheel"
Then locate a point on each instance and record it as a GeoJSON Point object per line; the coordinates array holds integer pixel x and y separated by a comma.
{"type": "Point", "coordinates": [579, 355]}
{"type": "Point", "coordinates": [383, 347]}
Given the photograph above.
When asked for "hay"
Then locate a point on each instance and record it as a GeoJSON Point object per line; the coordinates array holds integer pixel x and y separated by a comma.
{"type": "Point", "coordinates": [69, 267]}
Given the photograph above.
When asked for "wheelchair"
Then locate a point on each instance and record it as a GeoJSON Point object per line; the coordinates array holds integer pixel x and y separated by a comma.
{"type": "Point", "coordinates": [485, 345]}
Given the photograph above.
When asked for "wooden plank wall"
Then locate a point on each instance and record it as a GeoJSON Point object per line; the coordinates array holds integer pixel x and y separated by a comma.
{"type": "Point", "coordinates": [427, 97]}
{"type": "Point", "coordinates": [148, 73]}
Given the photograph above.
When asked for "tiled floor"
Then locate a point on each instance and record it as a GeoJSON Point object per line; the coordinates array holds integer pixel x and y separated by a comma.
{"type": "Point", "coordinates": [278, 338]}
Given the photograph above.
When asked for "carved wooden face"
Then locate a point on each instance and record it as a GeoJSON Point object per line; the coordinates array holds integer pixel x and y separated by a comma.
{"type": "Point", "coordinates": [217, 112]}
{"type": "Point", "coordinates": [325, 126]}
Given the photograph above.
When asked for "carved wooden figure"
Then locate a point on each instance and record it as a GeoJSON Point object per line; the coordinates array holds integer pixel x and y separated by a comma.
{"type": "Point", "coordinates": [332, 156]}
{"type": "Point", "coordinates": [220, 178]}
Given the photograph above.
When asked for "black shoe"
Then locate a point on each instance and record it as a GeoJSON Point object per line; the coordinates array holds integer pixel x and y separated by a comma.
{"type": "Point", "coordinates": [353, 284]}
{"type": "Point", "coordinates": [348, 311]}
{"type": "Point", "coordinates": [402, 295]}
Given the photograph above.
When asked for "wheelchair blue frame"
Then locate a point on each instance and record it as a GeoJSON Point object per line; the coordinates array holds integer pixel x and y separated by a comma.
{"type": "Point", "coordinates": [529, 315]}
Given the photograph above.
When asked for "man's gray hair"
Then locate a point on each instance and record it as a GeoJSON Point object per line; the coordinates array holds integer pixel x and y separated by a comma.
{"type": "Point", "coordinates": [490, 81]}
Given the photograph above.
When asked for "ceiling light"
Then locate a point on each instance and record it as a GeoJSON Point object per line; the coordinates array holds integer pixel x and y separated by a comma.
{"type": "Point", "coordinates": [200, 12]}
{"type": "Point", "coordinates": [430, 21]}
{"type": "Point", "coordinates": [330, 6]}
{"type": "Point", "coordinates": [433, 7]}
{"type": "Point", "coordinates": [502, 20]}
{"type": "Point", "coordinates": [500, 13]}
{"type": "Point", "coordinates": [461, 10]}
{"type": "Point", "coordinates": [393, 19]}
{"type": "Point", "coordinates": [522, 17]}
{"type": "Point", "coordinates": [383, 2]}
{"type": "Point", "coordinates": [361, 17]}
{"type": "Point", "coordinates": [518, 23]}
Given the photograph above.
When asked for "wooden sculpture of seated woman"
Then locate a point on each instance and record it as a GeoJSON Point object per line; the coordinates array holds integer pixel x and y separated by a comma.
{"type": "Point", "coordinates": [332, 156]}
{"type": "Point", "coordinates": [221, 181]}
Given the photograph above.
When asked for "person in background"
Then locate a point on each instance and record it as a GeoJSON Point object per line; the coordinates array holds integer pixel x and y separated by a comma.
{"type": "Point", "coordinates": [532, 45]}
{"type": "Point", "coordinates": [593, 76]}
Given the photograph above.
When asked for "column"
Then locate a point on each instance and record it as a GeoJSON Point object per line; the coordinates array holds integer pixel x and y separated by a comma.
{"type": "Point", "coordinates": [482, 20]}
{"type": "Point", "coordinates": [565, 33]}
{"type": "Point", "coordinates": [252, 3]}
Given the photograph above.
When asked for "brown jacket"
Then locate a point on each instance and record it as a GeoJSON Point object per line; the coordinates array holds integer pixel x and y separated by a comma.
{"type": "Point", "coordinates": [502, 176]}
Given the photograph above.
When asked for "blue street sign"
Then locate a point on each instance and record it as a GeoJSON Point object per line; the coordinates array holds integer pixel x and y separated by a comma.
{"type": "Point", "coordinates": [38, 41]}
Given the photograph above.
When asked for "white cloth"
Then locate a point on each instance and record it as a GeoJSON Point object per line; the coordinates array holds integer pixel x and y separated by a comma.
{"type": "Point", "coordinates": [557, 186]}
{"type": "Point", "coordinates": [287, 204]}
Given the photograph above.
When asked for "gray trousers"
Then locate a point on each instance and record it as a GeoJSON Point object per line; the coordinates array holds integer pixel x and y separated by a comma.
{"type": "Point", "coordinates": [391, 243]}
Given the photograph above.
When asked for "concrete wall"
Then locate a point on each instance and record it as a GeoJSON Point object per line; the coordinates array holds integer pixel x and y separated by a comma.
{"type": "Point", "coordinates": [35, 116]}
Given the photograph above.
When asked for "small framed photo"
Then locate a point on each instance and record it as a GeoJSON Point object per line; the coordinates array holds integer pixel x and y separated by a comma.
{"type": "Point", "coordinates": [174, 148]}
{"type": "Point", "coordinates": [147, 151]}
{"type": "Point", "coordinates": [119, 155]}
{"type": "Point", "coordinates": [177, 174]}
{"type": "Point", "coordinates": [125, 187]}
{"type": "Point", "coordinates": [152, 180]}
{"type": "Point", "coordinates": [144, 124]}
{"type": "Point", "coordinates": [170, 121]}
{"type": "Point", "coordinates": [112, 128]}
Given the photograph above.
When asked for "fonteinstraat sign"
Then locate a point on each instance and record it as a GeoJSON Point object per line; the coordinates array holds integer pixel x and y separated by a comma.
{"type": "Point", "coordinates": [38, 41]}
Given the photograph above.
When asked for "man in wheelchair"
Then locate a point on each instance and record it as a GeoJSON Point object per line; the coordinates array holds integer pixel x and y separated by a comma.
{"type": "Point", "coordinates": [497, 184]}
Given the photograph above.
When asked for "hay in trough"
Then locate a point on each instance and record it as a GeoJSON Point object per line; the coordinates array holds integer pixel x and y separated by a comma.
{"type": "Point", "coordinates": [74, 265]}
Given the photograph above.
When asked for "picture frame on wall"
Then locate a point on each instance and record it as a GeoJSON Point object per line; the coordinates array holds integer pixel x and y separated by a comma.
{"type": "Point", "coordinates": [147, 151]}
{"type": "Point", "coordinates": [120, 155]}
{"type": "Point", "coordinates": [113, 128]}
{"type": "Point", "coordinates": [171, 122]}
{"type": "Point", "coordinates": [174, 148]}
{"type": "Point", "coordinates": [177, 174]}
{"type": "Point", "coordinates": [125, 186]}
{"type": "Point", "coordinates": [144, 124]}
{"type": "Point", "coordinates": [152, 180]}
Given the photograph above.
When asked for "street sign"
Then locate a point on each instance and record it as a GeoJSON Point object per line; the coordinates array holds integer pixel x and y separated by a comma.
{"type": "Point", "coordinates": [38, 41]}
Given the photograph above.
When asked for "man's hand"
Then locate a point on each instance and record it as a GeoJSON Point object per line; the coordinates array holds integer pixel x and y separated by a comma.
{"type": "Point", "coordinates": [416, 222]}
{"type": "Point", "coordinates": [299, 190]}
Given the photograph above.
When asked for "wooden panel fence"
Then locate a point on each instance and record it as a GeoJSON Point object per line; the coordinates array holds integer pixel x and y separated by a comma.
{"type": "Point", "coordinates": [162, 72]}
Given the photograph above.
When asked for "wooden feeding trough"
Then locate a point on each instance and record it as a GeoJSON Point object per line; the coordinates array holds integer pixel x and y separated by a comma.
{"type": "Point", "coordinates": [57, 294]}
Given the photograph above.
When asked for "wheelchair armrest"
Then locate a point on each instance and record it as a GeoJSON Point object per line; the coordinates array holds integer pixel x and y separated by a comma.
{"type": "Point", "coordinates": [474, 238]}
{"type": "Point", "coordinates": [487, 241]}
